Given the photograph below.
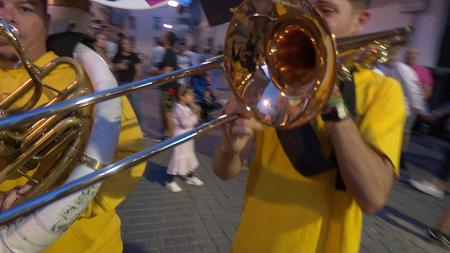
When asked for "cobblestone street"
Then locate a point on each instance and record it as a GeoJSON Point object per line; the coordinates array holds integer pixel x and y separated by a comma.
{"type": "Point", "coordinates": [205, 219]}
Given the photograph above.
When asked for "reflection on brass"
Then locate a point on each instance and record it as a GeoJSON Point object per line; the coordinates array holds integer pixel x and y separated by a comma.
{"type": "Point", "coordinates": [43, 151]}
{"type": "Point", "coordinates": [290, 44]}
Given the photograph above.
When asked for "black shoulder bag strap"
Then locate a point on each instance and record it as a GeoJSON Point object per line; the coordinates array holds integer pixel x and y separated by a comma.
{"type": "Point", "coordinates": [349, 95]}
{"type": "Point", "coordinates": [63, 44]}
{"type": "Point", "coordinates": [302, 146]}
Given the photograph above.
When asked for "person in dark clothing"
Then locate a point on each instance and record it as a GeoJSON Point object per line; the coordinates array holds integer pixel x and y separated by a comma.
{"type": "Point", "coordinates": [208, 103]}
{"type": "Point", "coordinates": [127, 67]}
{"type": "Point", "coordinates": [169, 90]}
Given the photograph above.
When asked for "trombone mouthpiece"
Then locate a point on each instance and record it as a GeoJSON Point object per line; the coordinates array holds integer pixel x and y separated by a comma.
{"type": "Point", "coordinates": [7, 30]}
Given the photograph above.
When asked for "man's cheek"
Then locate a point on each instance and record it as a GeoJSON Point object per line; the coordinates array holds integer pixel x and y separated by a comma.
{"type": "Point", "coordinates": [6, 48]}
{"type": "Point", "coordinates": [330, 22]}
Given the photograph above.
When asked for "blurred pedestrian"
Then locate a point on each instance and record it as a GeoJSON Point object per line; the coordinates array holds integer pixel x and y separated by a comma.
{"type": "Point", "coordinates": [413, 94]}
{"type": "Point", "coordinates": [127, 67]}
{"type": "Point", "coordinates": [168, 64]}
{"type": "Point", "coordinates": [184, 61]}
{"type": "Point", "coordinates": [100, 47]}
{"type": "Point", "coordinates": [423, 73]}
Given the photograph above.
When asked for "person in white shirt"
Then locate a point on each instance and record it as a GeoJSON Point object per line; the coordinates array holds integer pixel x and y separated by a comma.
{"type": "Point", "coordinates": [407, 77]}
{"type": "Point", "coordinates": [184, 61]}
{"type": "Point", "coordinates": [414, 96]}
{"type": "Point", "coordinates": [157, 53]}
{"type": "Point", "coordinates": [194, 56]}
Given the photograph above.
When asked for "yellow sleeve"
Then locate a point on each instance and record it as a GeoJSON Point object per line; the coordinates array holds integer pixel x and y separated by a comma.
{"type": "Point", "coordinates": [382, 124]}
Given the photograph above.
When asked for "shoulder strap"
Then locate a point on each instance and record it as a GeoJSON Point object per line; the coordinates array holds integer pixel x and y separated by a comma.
{"type": "Point", "coordinates": [348, 92]}
{"type": "Point", "coordinates": [302, 146]}
{"type": "Point", "coordinates": [63, 44]}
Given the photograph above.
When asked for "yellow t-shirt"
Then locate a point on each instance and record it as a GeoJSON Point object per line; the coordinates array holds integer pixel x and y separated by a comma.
{"type": "Point", "coordinates": [285, 212]}
{"type": "Point", "coordinates": [98, 228]}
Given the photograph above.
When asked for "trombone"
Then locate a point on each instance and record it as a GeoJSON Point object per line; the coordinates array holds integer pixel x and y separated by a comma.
{"type": "Point", "coordinates": [280, 60]}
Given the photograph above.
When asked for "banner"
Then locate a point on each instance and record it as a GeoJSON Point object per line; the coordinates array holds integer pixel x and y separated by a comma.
{"type": "Point", "coordinates": [132, 4]}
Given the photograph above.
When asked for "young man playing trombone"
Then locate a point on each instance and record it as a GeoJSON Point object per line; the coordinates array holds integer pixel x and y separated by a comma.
{"type": "Point", "coordinates": [288, 211]}
{"type": "Point", "coordinates": [97, 227]}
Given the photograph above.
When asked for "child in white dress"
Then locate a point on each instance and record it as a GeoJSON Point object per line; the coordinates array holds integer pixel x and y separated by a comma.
{"type": "Point", "coordinates": [183, 161]}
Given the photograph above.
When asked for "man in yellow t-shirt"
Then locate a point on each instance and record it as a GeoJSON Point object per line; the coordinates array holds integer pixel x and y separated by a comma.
{"type": "Point", "coordinates": [98, 227]}
{"type": "Point", "coordinates": [287, 211]}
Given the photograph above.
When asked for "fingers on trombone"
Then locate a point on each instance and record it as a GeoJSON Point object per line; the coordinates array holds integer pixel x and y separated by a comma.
{"type": "Point", "coordinates": [244, 126]}
{"type": "Point", "coordinates": [234, 107]}
{"type": "Point", "coordinates": [9, 198]}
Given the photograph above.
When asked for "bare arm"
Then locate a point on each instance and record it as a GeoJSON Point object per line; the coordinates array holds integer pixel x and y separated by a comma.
{"type": "Point", "coordinates": [236, 135]}
{"type": "Point", "coordinates": [138, 72]}
{"type": "Point", "coordinates": [226, 163]}
{"type": "Point", "coordinates": [428, 89]}
{"type": "Point", "coordinates": [167, 70]}
{"type": "Point", "coordinates": [366, 173]}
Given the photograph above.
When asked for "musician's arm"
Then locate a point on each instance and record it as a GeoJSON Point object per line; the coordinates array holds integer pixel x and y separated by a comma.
{"type": "Point", "coordinates": [368, 154]}
{"type": "Point", "coordinates": [367, 174]}
{"type": "Point", "coordinates": [226, 162]}
{"type": "Point", "coordinates": [236, 136]}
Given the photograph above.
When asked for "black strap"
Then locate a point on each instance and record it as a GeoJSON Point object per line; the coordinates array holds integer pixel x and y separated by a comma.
{"type": "Point", "coordinates": [303, 149]}
{"type": "Point", "coordinates": [348, 92]}
{"type": "Point", "coordinates": [63, 44]}
{"type": "Point", "coordinates": [302, 146]}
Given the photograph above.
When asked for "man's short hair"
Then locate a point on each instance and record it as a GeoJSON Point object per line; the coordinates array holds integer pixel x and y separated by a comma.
{"type": "Point", "coordinates": [171, 38]}
{"type": "Point", "coordinates": [44, 4]}
{"type": "Point", "coordinates": [360, 4]}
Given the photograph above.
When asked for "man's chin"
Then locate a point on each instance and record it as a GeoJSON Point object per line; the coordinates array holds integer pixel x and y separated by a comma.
{"type": "Point", "coordinates": [7, 52]}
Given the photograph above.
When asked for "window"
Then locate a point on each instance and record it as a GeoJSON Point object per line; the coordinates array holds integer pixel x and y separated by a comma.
{"type": "Point", "coordinates": [156, 23]}
{"type": "Point", "coordinates": [132, 22]}
{"type": "Point", "coordinates": [115, 18]}
{"type": "Point", "coordinates": [184, 21]}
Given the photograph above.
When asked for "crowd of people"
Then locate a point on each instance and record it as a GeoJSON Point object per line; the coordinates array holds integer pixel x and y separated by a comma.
{"type": "Point", "coordinates": [169, 53]}
{"type": "Point", "coordinates": [295, 200]}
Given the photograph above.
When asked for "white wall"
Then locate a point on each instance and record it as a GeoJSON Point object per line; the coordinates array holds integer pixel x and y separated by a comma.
{"type": "Point", "coordinates": [386, 15]}
{"type": "Point", "coordinates": [61, 17]}
{"type": "Point", "coordinates": [428, 25]}
{"type": "Point", "coordinates": [429, 31]}
{"type": "Point", "coordinates": [145, 32]}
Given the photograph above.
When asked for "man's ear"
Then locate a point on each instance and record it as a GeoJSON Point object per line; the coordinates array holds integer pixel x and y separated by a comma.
{"type": "Point", "coordinates": [361, 20]}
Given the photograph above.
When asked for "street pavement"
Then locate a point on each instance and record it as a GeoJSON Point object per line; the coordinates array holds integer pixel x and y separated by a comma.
{"type": "Point", "coordinates": [205, 219]}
